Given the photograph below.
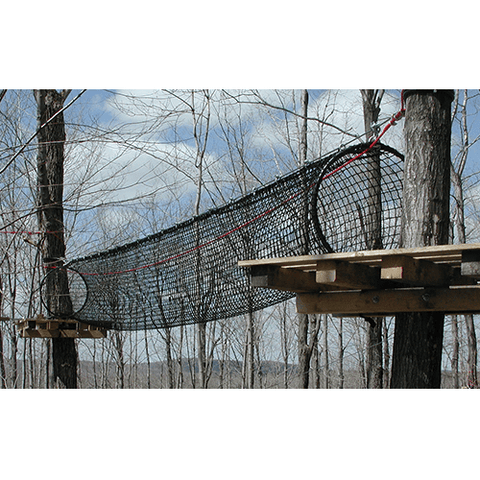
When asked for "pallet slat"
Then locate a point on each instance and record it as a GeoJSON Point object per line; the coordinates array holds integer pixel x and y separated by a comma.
{"type": "Point", "coordinates": [343, 274]}
{"type": "Point", "coordinates": [441, 253]}
{"type": "Point", "coordinates": [42, 327]}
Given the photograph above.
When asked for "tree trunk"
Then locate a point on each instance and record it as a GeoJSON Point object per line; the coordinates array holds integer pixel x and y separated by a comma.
{"type": "Point", "coordinates": [50, 164]}
{"type": "Point", "coordinates": [472, 378]}
{"type": "Point", "coordinates": [455, 351]}
{"type": "Point", "coordinates": [316, 364]}
{"type": "Point", "coordinates": [201, 138]}
{"type": "Point", "coordinates": [250, 354]}
{"type": "Point", "coordinates": [64, 355]}
{"type": "Point", "coordinates": [180, 377]}
{"type": "Point", "coordinates": [418, 338]}
{"type": "Point", "coordinates": [3, 373]}
{"type": "Point", "coordinates": [303, 360]}
{"type": "Point", "coordinates": [147, 356]}
{"type": "Point", "coordinates": [386, 356]}
{"type": "Point", "coordinates": [303, 321]}
{"type": "Point", "coordinates": [284, 343]}
{"type": "Point", "coordinates": [374, 354]}
{"type": "Point", "coordinates": [373, 234]}
{"type": "Point", "coordinates": [341, 374]}
{"type": "Point", "coordinates": [325, 349]}
{"type": "Point", "coordinates": [118, 345]}
{"type": "Point", "coordinates": [459, 216]}
{"type": "Point", "coordinates": [170, 367]}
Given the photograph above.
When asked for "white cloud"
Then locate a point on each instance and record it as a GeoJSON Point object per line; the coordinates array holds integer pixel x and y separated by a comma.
{"type": "Point", "coordinates": [341, 108]}
{"type": "Point", "coordinates": [154, 150]}
{"type": "Point", "coordinates": [344, 109]}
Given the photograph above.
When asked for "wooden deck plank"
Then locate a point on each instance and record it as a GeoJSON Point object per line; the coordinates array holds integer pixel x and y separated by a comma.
{"type": "Point", "coordinates": [437, 253]}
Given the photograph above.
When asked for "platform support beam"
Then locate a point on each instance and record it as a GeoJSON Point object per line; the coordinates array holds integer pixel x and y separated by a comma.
{"type": "Point", "coordinates": [379, 303]}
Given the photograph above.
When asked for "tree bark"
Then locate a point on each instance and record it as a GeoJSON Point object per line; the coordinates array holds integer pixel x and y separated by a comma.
{"type": "Point", "coordinates": [325, 349]}
{"type": "Point", "coordinates": [472, 377]}
{"type": "Point", "coordinates": [250, 357]}
{"type": "Point", "coordinates": [374, 354]}
{"type": "Point", "coordinates": [50, 165]}
{"type": "Point", "coordinates": [201, 145]}
{"type": "Point", "coordinates": [341, 373]}
{"type": "Point", "coordinates": [418, 337]}
{"type": "Point", "coordinates": [386, 355]}
{"type": "Point", "coordinates": [303, 321]}
{"type": "Point", "coordinates": [170, 367]}
{"type": "Point", "coordinates": [455, 351]}
{"type": "Point", "coordinates": [373, 234]}
{"type": "Point", "coordinates": [3, 373]}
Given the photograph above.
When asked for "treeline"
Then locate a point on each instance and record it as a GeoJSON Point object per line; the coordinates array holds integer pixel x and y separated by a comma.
{"type": "Point", "coordinates": [152, 360]}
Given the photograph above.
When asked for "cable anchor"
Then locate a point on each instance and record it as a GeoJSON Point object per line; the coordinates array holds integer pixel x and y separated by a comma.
{"type": "Point", "coordinates": [397, 117]}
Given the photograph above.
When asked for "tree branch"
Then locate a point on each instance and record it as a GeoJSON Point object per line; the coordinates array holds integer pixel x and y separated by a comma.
{"type": "Point", "coordinates": [261, 101]}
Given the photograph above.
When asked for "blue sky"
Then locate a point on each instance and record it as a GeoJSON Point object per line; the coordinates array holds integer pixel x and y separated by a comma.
{"type": "Point", "coordinates": [264, 151]}
{"type": "Point", "coordinates": [135, 173]}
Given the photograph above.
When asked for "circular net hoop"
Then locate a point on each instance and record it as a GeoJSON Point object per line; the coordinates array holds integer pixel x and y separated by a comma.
{"type": "Point", "coordinates": [356, 204]}
{"type": "Point", "coordinates": [63, 292]}
{"type": "Point", "coordinates": [189, 274]}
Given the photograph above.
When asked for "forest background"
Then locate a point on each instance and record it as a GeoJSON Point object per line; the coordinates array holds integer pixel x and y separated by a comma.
{"type": "Point", "coordinates": [330, 424]}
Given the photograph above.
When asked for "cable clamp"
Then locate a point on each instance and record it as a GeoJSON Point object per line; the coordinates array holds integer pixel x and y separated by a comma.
{"type": "Point", "coordinates": [397, 117]}
{"type": "Point", "coordinates": [375, 126]}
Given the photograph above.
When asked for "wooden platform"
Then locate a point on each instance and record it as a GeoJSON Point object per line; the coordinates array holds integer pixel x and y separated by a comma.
{"type": "Point", "coordinates": [377, 282]}
{"type": "Point", "coordinates": [42, 327]}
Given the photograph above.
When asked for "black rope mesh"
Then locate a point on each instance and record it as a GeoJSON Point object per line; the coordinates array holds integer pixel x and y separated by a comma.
{"type": "Point", "coordinates": [188, 273]}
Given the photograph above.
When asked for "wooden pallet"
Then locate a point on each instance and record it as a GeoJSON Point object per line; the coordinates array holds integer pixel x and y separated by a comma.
{"type": "Point", "coordinates": [42, 327]}
{"type": "Point", "coordinates": [377, 282]}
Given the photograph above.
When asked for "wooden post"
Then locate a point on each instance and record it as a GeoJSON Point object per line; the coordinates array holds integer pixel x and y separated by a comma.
{"type": "Point", "coordinates": [417, 348]}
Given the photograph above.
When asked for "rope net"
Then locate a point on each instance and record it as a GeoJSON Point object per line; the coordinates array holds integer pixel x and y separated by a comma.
{"type": "Point", "coordinates": [188, 273]}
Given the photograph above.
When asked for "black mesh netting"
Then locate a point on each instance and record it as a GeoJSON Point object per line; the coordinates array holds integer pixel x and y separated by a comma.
{"type": "Point", "coordinates": [188, 273]}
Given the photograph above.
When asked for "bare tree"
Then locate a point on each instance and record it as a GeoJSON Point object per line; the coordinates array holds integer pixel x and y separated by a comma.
{"type": "Point", "coordinates": [457, 170]}
{"type": "Point", "coordinates": [326, 351]}
{"type": "Point", "coordinates": [50, 165]}
{"type": "Point", "coordinates": [417, 349]}
{"type": "Point", "coordinates": [341, 373]}
{"type": "Point", "coordinates": [3, 371]}
{"type": "Point", "coordinates": [371, 110]}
